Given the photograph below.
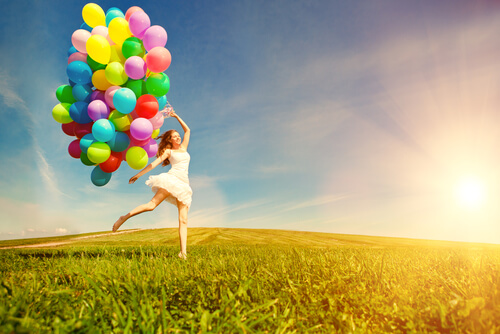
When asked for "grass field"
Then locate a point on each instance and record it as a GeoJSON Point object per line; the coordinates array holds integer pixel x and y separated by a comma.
{"type": "Point", "coordinates": [249, 281]}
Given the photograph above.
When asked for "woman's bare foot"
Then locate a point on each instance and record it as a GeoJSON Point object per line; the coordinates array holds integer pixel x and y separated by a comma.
{"type": "Point", "coordinates": [182, 256]}
{"type": "Point", "coordinates": [119, 223]}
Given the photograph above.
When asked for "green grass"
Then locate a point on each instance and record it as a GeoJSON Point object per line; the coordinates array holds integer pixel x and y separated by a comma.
{"type": "Point", "coordinates": [246, 281]}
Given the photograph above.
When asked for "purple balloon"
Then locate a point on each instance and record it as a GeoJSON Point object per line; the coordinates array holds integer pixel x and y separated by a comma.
{"type": "Point", "coordinates": [151, 148]}
{"type": "Point", "coordinates": [141, 128]}
{"type": "Point", "coordinates": [97, 109]}
{"type": "Point", "coordinates": [138, 23]}
{"type": "Point", "coordinates": [97, 95]}
{"type": "Point", "coordinates": [135, 67]}
{"type": "Point", "coordinates": [154, 36]}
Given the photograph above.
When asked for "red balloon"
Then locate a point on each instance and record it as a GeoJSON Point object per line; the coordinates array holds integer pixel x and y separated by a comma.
{"type": "Point", "coordinates": [147, 106]}
{"type": "Point", "coordinates": [114, 161]}
{"type": "Point", "coordinates": [158, 59]}
{"type": "Point", "coordinates": [69, 128]}
{"type": "Point", "coordinates": [82, 129]}
{"type": "Point", "coordinates": [74, 149]}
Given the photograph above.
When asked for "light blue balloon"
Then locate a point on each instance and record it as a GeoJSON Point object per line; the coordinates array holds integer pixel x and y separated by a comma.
{"type": "Point", "coordinates": [119, 142]}
{"type": "Point", "coordinates": [78, 112]}
{"type": "Point", "coordinates": [79, 72]}
{"type": "Point", "coordinates": [113, 13]}
{"type": "Point", "coordinates": [72, 50]}
{"type": "Point", "coordinates": [124, 100]}
{"type": "Point", "coordinates": [103, 130]}
{"type": "Point", "coordinates": [82, 92]}
{"type": "Point", "coordinates": [86, 141]}
{"type": "Point", "coordinates": [99, 178]}
{"type": "Point", "coordinates": [162, 101]}
{"type": "Point", "coordinates": [86, 27]}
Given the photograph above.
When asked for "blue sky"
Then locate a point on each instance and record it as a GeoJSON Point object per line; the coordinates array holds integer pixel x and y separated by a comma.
{"type": "Point", "coordinates": [373, 118]}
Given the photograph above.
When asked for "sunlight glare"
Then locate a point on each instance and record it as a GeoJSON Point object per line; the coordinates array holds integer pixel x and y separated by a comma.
{"type": "Point", "coordinates": [471, 193]}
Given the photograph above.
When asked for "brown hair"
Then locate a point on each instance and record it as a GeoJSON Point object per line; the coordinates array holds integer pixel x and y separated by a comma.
{"type": "Point", "coordinates": [165, 144]}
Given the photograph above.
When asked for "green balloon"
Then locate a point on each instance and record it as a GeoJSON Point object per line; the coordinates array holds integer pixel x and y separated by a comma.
{"type": "Point", "coordinates": [158, 84]}
{"type": "Point", "coordinates": [132, 46]}
{"type": "Point", "coordinates": [137, 86]}
{"type": "Point", "coordinates": [95, 66]}
{"type": "Point", "coordinates": [85, 160]}
{"type": "Point", "coordinates": [64, 94]}
{"type": "Point", "coordinates": [61, 113]}
{"type": "Point", "coordinates": [136, 157]}
{"type": "Point", "coordinates": [98, 152]}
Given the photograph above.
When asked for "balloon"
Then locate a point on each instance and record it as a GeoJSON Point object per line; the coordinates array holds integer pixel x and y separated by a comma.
{"type": "Point", "coordinates": [74, 149]}
{"type": "Point", "coordinates": [82, 129]}
{"type": "Point", "coordinates": [115, 73]}
{"type": "Point", "coordinates": [141, 129]}
{"type": "Point", "coordinates": [118, 30]}
{"type": "Point", "coordinates": [158, 84]}
{"type": "Point", "coordinates": [86, 141]}
{"type": "Point", "coordinates": [64, 93]}
{"type": "Point", "coordinates": [79, 72]}
{"type": "Point", "coordinates": [155, 134]}
{"type": "Point", "coordinates": [95, 66]}
{"type": "Point", "coordinates": [113, 13]}
{"type": "Point", "coordinates": [79, 39]}
{"type": "Point", "coordinates": [158, 59]}
{"type": "Point", "coordinates": [99, 80]}
{"type": "Point", "coordinates": [93, 15]}
{"type": "Point", "coordinates": [124, 100]}
{"type": "Point", "coordinates": [114, 161]}
{"type": "Point", "coordinates": [157, 121]}
{"type": "Point", "coordinates": [61, 113]}
{"type": "Point", "coordinates": [85, 160]}
{"type": "Point", "coordinates": [97, 109]}
{"type": "Point", "coordinates": [85, 26]}
{"type": "Point", "coordinates": [116, 54]}
{"type": "Point", "coordinates": [103, 130]}
{"type": "Point", "coordinates": [139, 22]}
{"type": "Point", "coordinates": [162, 101]}
{"type": "Point", "coordinates": [154, 36]}
{"type": "Point", "coordinates": [119, 142]}
{"type": "Point", "coordinates": [97, 95]}
{"type": "Point", "coordinates": [151, 148]}
{"type": "Point", "coordinates": [135, 67]}
{"type": "Point", "coordinates": [78, 112]}
{"type": "Point", "coordinates": [72, 50]}
{"type": "Point", "coordinates": [131, 11]}
{"type": "Point", "coordinates": [98, 49]}
{"type": "Point", "coordinates": [98, 152]}
{"type": "Point", "coordinates": [108, 96]}
{"type": "Point", "coordinates": [69, 128]}
{"type": "Point", "coordinates": [99, 178]}
{"type": "Point", "coordinates": [137, 86]}
{"type": "Point", "coordinates": [102, 31]}
{"type": "Point", "coordinates": [136, 157]}
{"type": "Point", "coordinates": [77, 56]}
{"type": "Point", "coordinates": [147, 106]}
{"type": "Point", "coordinates": [132, 46]}
{"type": "Point", "coordinates": [120, 121]}
{"type": "Point", "coordinates": [82, 92]}
{"type": "Point", "coordinates": [137, 142]}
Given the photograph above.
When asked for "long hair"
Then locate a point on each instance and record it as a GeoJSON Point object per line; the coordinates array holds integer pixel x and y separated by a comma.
{"type": "Point", "coordinates": [164, 144]}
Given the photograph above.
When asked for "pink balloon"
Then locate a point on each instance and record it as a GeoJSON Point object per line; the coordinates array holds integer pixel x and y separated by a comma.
{"type": "Point", "coordinates": [108, 96]}
{"type": "Point", "coordinates": [136, 142]}
{"type": "Point", "coordinates": [135, 67]}
{"type": "Point", "coordinates": [154, 36]}
{"type": "Point", "coordinates": [74, 149]}
{"type": "Point", "coordinates": [141, 129]}
{"type": "Point", "coordinates": [151, 148]}
{"type": "Point", "coordinates": [131, 11]}
{"type": "Point", "coordinates": [157, 120]}
{"type": "Point", "coordinates": [77, 56]}
{"type": "Point", "coordinates": [138, 23]}
{"type": "Point", "coordinates": [103, 31]}
{"type": "Point", "coordinates": [79, 39]}
{"type": "Point", "coordinates": [158, 59]}
{"type": "Point", "coordinates": [97, 110]}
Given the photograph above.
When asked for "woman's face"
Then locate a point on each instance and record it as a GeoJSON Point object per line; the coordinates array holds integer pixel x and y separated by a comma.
{"type": "Point", "coordinates": [176, 138]}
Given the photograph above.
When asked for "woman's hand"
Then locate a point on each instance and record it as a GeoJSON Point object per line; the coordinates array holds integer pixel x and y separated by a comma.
{"type": "Point", "coordinates": [133, 179]}
{"type": "Point", "coordinates": [173, 114]}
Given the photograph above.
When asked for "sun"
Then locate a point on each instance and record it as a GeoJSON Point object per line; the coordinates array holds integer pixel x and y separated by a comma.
{"type": "Point", "coordinates": [471, 193]}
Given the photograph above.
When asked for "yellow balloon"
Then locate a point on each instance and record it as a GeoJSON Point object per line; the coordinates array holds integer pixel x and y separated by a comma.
{"type": "Point", "coordinates": [118, 30]}
{"type": "Point", "coordinates": [116, 54]}
{"type": "Point", "coordinates": [61, 113]}
{"type": "Point", "coordinates": [99, 80]}
{"type": "Point", "coordinates": [98, 49]}
{"type": "Point", "coordinates": [93, 15]}
{"type": "Point", "coordinates": [155, 133]}
{"type": "Point", "coordinates": [115, 73]}
{"type": "Point", "coordinates": [120, 121]}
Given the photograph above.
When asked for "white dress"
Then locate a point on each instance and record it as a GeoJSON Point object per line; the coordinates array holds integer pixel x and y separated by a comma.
{"type": "Point", "coordinates": [176, 180]}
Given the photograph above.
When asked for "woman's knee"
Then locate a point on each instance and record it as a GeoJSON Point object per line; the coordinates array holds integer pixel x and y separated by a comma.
{"type": "Point", "coordinates": [150, 206]}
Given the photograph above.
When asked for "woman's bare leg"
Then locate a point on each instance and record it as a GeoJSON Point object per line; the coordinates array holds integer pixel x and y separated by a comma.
{"type": "Point", "coordinates": [160, 195]}
{"type": "Point", "coordinates": [183, 220]}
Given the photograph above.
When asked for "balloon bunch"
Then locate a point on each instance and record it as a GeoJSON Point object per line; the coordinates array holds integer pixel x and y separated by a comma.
{"type": "Point", "coordinates": [116, 90]}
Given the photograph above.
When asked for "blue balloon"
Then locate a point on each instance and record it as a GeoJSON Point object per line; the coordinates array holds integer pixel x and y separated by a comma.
{"type": "Point", "coordinates": [112, 13]}
{"type": "Point", "coordinates": [103, 130]}
{"type": "Point", "coordinates": [79, 72]}
{"type": "Point", "coordinates": [72, 50]}
{"type": "Point", "coordinates": [99, 178]}
{"type": "Point", "coordinates": [82, 92]}
{"type": "Point", "coordinates": [78, 113]}
{"type": "Point", "coordinates": [119, 142]}
{"type": "Point", "coordinates": [124, 100]}
{"type": "Point", "coordinates": [162, 101]}
{"type": "Point", "coordinates": [86, 27]}
{"type": "Point", "coordinates": [86, 141]}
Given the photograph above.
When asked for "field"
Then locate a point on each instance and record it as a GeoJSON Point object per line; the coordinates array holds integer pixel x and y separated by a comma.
{"type": "Point", "coordinates": [248, 281]}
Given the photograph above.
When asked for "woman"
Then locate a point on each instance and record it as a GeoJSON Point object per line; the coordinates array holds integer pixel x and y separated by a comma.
{"type": "Point", "coordinates": [172, 186]}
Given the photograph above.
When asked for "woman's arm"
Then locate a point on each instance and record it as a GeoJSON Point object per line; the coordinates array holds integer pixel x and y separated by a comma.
{"type": "Point", "coordinates": [187, 131]}
{"type": "Point", "coordinates": [150, 167]}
